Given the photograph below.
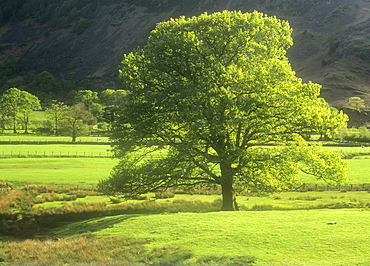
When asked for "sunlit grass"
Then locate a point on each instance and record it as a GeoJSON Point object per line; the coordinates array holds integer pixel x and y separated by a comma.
{"type": "Point", "coordinates": [61, 171]}
{"type": "Point", "coordinates": [91, 170]}
{"type": "Point", "coordinates": [315, 237]}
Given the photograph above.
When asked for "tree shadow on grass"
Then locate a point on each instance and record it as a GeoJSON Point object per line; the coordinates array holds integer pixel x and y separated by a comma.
{"type": "Point", "coordinates": [91, 226]}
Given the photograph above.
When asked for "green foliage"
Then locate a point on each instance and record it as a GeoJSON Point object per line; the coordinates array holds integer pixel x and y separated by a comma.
{"type": "Point", "coordinates": [76, 121]}
{"type": "Point", "coordinates": [87, 97]}
{"type": "Point", "coordinates": [356, 103]}
{"type": "Point", "coordinates": [110, 101]}
{"type": "Point", "coordinates": [207, 90]}
{"type": "Point", "coordinates": [360, 135]}
{"type": "Point", "coordinates": [56, 113]}
{"type": "Point", "coordinates": [18, 105]}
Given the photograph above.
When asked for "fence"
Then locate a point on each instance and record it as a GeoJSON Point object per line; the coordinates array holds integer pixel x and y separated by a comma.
{"type": "Point", "coordinates": [54, 154]}
{"type": "Point", "coordinates": [45, 142]}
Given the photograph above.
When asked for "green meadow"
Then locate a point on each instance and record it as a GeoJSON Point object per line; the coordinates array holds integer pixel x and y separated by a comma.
{"type": "Point", "coordinates": [315, 237]}
{"type": "Point", "coordinates": [56, 171]}
{"type": "Point", "coordinates": [286, 228]}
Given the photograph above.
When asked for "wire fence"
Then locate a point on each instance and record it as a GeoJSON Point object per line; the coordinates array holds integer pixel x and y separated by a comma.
{"type": "Point", "coordinates": [54, 154]}
{"type": "Point", "coordinates": [348, 154]}
{"type": "Point", "coordinates": [45, 142]}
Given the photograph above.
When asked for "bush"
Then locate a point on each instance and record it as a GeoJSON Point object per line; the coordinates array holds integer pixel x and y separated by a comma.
{"type": "Point", "coordinates": [164, 195]}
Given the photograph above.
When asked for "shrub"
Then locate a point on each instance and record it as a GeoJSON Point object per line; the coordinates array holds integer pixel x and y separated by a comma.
{"type": "Point", "coordinates": [164, 195]}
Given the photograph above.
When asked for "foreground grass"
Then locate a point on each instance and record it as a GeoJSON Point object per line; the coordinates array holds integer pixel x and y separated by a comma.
{"type": "Point", "coordinates": [315, 237]}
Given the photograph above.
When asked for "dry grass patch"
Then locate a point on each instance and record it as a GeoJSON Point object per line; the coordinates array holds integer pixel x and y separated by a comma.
{"type": "Point", "coordinates": [87, 250]}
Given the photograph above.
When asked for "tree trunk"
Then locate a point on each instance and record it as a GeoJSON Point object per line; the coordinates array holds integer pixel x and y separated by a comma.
{"type": "Point", "coordinates": [14, 124]}
{"type": "Point", "coordinates": [26, 122]}
{"type": "Point", "coordinates": [228, 197]}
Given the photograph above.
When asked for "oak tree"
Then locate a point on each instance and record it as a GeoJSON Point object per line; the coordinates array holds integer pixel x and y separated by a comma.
{"type": "Point", "coordinates": [206, 93]}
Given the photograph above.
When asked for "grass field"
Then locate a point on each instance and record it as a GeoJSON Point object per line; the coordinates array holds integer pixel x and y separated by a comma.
{"type": "Point", "coordinates": [288, 228]}
{"type": "Point", "coordinates": [90, 170]}
{"type": "Point", "coordinates": [60, 171]}
{"type": "Point", "coordinates": [315, 237]}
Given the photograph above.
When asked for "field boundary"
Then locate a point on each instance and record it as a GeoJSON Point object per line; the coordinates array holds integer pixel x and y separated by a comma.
{"type": "Point", "coordinates": [59, 155]}
{"type": "Point", "coordinates": [36, 142]}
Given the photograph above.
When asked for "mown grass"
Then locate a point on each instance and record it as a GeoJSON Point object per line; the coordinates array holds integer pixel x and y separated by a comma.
{"type": "Point", "coordinates": [315, 237]}
{"type": "Point", "coordinates": [91, 170]}
{"type": "Point", "coordinates": [61, 171]}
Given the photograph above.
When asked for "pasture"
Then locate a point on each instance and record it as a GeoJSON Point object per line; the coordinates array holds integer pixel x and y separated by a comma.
{"type": "Point", "coordinates": [315, 237]}
{"type": "Point", "coordinates": [328, 227]}
{"type": "Point", "coordinates": [55, 171]}
{"type": "Point", "coordinates": [87, 164]}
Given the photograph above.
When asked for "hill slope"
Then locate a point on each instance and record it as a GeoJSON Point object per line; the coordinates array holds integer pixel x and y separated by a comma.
{"type": "Point", "coordinates": [332, 39]}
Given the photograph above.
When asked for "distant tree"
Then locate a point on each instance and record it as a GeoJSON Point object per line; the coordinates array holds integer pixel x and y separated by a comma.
{"type": "Point", "coordinates": [45, 83]}
{"type": "Point", "coordinates": [206, 93]}
{"type": "Point", "coordinates": [19, 105]}
{"type": "Point", "coordinates": [4, 119]}
{"type": "Point", "coordinates": [77, 121]}
{"type": "Point", "coordinates": [111, 101]}
{"type": "Point", "coordinates": [111, 97]}
{"type": "Point", "coordinates": [29, 103]}
{"type": "Point", "coordinates": [90, 100]}
{"type": "Point", "coordinates": [87, 97]}
{"type": "Point", "coordinates": [56, 113]}
{"type": "Point", "coordinates": [356, 103]}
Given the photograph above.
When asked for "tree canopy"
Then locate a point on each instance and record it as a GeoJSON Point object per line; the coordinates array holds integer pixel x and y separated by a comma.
{"type": "Point", "coordinates": [18, 105]}
{"type": "Point", "coordinates": [206, 93]}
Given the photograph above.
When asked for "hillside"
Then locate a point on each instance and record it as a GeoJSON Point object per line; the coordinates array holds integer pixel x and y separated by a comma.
{"type": "Point", "coordinates": [86, 42]}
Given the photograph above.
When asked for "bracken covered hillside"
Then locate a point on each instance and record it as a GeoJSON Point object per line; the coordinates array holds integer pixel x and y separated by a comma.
{"type": "Point", "coordinates": [85, 40]}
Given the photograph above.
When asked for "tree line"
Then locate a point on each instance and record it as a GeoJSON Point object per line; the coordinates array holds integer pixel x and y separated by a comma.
{"type": "Point", "coordinates": [88, 109]}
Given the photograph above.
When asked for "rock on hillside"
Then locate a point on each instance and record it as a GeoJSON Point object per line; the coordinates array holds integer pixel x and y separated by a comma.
{"type": "Point", "coordinates": [332, 40]}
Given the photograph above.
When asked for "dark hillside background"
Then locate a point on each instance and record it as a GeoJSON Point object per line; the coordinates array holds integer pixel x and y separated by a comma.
{"type": "Point", "coordinates": [54, 47]}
